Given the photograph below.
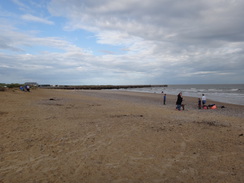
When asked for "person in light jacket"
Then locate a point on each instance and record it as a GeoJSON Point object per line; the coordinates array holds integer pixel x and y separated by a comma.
{"type": "Point", "coordinates": [204, 99]}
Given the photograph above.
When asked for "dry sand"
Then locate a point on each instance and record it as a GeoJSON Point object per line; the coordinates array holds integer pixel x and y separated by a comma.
{"type": "Point", "coordinates": [119, 137]}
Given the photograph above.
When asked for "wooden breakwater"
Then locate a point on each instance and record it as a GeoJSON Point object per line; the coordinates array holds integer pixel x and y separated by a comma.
{"type": "Point", "coordinates": [98, 87]}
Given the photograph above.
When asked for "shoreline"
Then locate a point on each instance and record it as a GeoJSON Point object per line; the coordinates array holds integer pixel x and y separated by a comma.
{"type": "Point", "coordinates": [191, 103]}
{"type": "Point", "coordinates": [222, 93]}
{"type": "Point", "coordinates": [107, 136]}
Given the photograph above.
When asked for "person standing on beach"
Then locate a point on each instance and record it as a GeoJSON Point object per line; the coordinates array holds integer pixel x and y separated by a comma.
{"type": "Point", "coordinates": [199, 103]}
{"type": "Point", "coordinates": [164, 99]}
{"type": "Point", "coordinates": [27, 87]}
{"type": "Point", "coordinates": [203, 100]}
{"type": "Point", "coordinates": [179, 101]}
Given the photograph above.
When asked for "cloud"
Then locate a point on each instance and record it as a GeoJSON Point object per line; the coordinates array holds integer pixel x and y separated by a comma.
{"type": "Point", "coordinates": [36, 19]}
{"type": "Point", "coordinates": [153, 19]}
{"type": "Point", "coordinates": [172, 27]}
{"type": "Point", "coordinates": [160, 41]}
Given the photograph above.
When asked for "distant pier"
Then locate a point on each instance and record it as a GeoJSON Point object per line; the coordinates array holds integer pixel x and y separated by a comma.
{"type": "Point", "coordinates": [97, 87]}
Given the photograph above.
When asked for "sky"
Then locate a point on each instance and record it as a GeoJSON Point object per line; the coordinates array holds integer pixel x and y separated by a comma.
{"type": "Point", "coordinates": [122, 42]}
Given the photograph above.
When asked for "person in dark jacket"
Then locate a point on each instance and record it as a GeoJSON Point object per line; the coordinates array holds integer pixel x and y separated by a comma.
{"type": "Point", "coordinates": [179, 101]}
{"type": "Point", "coordinates": [164, 99]}
{"type": "Point", "coordinates": [199, 103]}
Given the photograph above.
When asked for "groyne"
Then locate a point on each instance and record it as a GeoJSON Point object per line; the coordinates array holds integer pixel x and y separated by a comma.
{"type": "Point", "coordinates": [97, 87]}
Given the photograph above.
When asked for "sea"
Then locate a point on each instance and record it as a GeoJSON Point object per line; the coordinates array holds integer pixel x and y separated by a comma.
{"type": "Point", "coordinates": [227, 93]}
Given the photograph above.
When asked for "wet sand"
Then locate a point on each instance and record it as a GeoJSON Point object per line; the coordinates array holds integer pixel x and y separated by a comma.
{"type": "Point", "coordinates": [113, 136]}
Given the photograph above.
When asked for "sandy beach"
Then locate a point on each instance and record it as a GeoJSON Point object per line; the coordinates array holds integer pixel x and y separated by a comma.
{"type": "Point", "coordinates": [103, 136]}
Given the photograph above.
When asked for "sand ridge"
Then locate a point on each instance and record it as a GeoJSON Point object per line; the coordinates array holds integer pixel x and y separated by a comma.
{"type": "Point", "coordinates": [113, 136]}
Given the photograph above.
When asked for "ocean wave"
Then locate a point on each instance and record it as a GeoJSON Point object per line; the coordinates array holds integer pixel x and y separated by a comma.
{"type": "Point", "coordinates": [224, 94]}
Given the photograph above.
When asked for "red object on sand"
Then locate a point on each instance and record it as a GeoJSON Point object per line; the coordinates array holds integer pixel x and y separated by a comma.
{"type": "Point", "coordinates": [213, 107]}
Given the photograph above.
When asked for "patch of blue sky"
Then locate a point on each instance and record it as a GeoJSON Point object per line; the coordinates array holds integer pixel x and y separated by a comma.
{"type": "Point", "coordinates": [81, 38]}
{"type": "Point", "coordinates": [90, 41]}
{"type": "Point", "coordinates": [54, 28]}
{"type": "Point", "coordinates": [41, 29]}
{"type": "Point", "coordinates": [10, 6]}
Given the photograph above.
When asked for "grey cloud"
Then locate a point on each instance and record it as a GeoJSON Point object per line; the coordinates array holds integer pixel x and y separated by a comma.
{"type": "Point", "coordinates": [5, 46]}
{"type": "Point", "coordinates": [181, 41]}
{"type": "Point", "coordinates": [187, 17]}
